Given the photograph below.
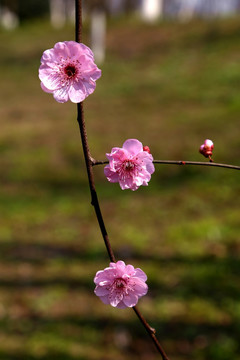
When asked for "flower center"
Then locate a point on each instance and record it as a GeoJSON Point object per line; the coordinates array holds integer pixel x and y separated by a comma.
{"type": "Point", "coordinates": [128, 165]}
{"type": "Point", "coordinates": [70, 71]}
{"type": "Point", "coordinates": [120, 283]}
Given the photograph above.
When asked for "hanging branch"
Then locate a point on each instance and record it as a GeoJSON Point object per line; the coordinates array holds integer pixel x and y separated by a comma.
{"type": "Point", "coordinates": [94, 199]}
{"type": "Point", "coordinates": [85, 146]}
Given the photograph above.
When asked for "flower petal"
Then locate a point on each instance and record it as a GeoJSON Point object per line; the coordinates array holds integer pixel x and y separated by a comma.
{"type": "Point", "coordinates": [130, 299]}
{"type": "Point", "coordinates": [101, 290]}
{"type": "Point", "coordinates": [105, 299]}
{"type": "Point", "coordinates": [77, 92]}
{"type": "Point", "coordinates": [140, 288]}
{"type": "Point", "coordinates": [140, 274]}
{"type": "Point", "coordinates": [133, 146]}
{"type": "Point", "coordinates": [121, 305]}
{"type": "Point", "coordinates": [112, 176]}
{"type": "Point", "coordinates": [115, 298]}
{"type": "Point", "coordinates": [106, 274]}
{"type": "Point", "coordinates": [61, 94]}
{"type": "Point", "coordinates": [46, 89]}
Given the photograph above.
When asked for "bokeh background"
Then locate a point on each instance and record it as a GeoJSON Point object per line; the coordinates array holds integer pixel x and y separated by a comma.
{"type": "Point", "coordinates": [170, 83]}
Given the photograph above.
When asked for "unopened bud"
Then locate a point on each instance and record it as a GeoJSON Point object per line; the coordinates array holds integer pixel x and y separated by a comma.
{"type": "Point", "coordinates": [146, 148]}
{"type": "Point", "coordinates": [206, 148]}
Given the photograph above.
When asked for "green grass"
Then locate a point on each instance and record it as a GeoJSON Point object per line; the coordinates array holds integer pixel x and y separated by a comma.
{"type": "Point", "coordinates": [171, 86]}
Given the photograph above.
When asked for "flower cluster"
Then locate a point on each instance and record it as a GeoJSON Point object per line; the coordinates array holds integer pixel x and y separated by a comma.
{"type": "Point", "coordinates": [68, 71]}
{"type": "Point", "coordinates": [120, 285]}
{"type": "Point", "coordinates": [130, 165]}
{"type": "Point", "coordinates": [206, 148]}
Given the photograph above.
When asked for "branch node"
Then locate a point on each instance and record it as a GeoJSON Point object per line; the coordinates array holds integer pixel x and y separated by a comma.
{"type": "Point", "coordinates": [153, 331]}
{"type": "Point", "coordinates": [92, 161]}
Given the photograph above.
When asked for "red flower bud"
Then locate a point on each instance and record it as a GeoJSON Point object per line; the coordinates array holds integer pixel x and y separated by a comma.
{"type": "Point", "coordinates": [146, 148]}
{"type": "Point", "coordinates": [206, 148]}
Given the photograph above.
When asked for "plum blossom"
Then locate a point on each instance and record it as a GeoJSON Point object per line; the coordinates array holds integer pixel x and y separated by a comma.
{"type": "Point", "coordinates": [130, 165]}
{"type": "Point", "coordinates": [206, 148]}
{"type": "Point", "coordinates": [120, 285]}
{"type": "Point", "coordinates": [68, 71]}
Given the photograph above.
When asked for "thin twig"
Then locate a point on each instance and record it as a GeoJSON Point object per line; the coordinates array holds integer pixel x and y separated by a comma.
{"type": "Point", "coordinates": [178, 162]}
{"type": "Point", "coordinates": [94, 199]}
{"type": "Point", "coordinates": [198, 163]}
{"type": "Point", "coordinates": [151, 332]}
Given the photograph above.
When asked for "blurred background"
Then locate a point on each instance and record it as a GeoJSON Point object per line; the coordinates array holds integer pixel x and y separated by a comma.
{"type": "Point", "coordinates": [170, 78]}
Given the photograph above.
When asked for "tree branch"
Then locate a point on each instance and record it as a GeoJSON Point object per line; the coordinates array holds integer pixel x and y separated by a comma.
{"type": "Point", "coordinates": [178, 162]}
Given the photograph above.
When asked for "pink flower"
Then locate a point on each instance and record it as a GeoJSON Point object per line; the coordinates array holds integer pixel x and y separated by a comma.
{"type": "Point", "coordinates": [130, 165]}
{"type": "Point", "coordinates": [206, 148]}
{"type": "Point", "coordinates": [120, 285]}
{"type": "Point", "coordinates": [68, 71]}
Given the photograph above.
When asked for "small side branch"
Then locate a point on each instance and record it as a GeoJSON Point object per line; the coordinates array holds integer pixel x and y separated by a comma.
{"type": "Point", "coordinates": [197, 163]}
{"type": "Point", "coordinates": [178, 162]}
